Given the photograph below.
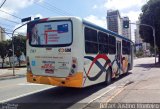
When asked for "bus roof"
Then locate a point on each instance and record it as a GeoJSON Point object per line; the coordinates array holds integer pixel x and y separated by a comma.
{"type": "Point", "coordinates": [86, 23]}
{"type": "Point", "coordinates": [104, 30]}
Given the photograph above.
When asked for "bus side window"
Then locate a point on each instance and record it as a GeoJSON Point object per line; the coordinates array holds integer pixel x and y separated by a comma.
{"type": "Point", "coordinates": [129, 48]}
{"type": "Point", "coordinates": [112, 45]}
{"type": "Point", "coordinates": [125, 47]}
{"type": "Point", "coordinates": [91, 43]}
{"type": "Point", "coordinates": [91, 48]}
{"type": "Point", "coordinates": [90, 34]}
{"type": "Point", "coordinates": [103, 42]}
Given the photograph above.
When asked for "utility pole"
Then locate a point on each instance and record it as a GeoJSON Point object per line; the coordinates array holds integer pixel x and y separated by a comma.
{"type": "Point", "coordinates": [154, 36]}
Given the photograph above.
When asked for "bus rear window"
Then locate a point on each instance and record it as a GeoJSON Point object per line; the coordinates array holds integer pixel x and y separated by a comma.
{"type": "Point", "coordinates": [51, 33]}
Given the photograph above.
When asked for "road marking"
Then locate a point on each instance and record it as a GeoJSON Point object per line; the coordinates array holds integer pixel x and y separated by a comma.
{"type": "Point", "coordinates": [98, 97]}
{"type": "Point", "coordinates": [9, 99]}
{"type": "Point", "coordinates": [121, 89]}
{"type": "Point", "coordinates": [21, 84]}
{"type": "Point", "coordinates": [28, 84]}
{"type": "Point", "coordinates": [7, 86]}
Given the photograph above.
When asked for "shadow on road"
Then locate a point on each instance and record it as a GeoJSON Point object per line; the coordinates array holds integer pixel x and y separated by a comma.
{"type": "Point", "coordinates": [58, 97]}
{"type": "Point", "coordinates": [122, 76]}
{"type": "Point", "coordinates": [152, 65]}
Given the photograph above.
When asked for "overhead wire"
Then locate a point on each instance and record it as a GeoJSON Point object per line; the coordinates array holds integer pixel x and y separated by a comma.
{"type": "Point", "coordinates": [3, 3]}
{"type": "Point", "coordinates": [10, 14]}
{"type": "Point", "coordinates": [3, 31]}
{"type": "Point", "coordinates": [6, 25]}
{"type": "Point", "coordinates": [54, 3]}
{"type": "Point", "coordinates": [47, 6]}
{"type": "Point", "coordinates": [58, 9]}
{"type": "Point", "coordinates": [53, 8]}
{"type": "Point", "coordinates": [10, 20]}
{"type": "Point", "coordinates": [7, 30]}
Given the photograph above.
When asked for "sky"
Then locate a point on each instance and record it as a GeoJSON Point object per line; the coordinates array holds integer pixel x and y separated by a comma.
{"type": "Point", "coordinates": [94, 11]}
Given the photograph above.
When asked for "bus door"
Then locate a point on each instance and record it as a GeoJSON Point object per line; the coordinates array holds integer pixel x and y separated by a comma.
{"type": "Point", "coordinates": [118, 55]}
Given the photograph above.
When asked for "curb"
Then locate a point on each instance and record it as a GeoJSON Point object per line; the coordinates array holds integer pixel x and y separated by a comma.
{"type": "Point", "coordinates": [5, 77]}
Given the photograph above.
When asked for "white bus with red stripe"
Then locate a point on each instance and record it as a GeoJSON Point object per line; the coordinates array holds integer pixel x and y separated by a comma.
{"type": "Point", "coordinates": [71, 52]}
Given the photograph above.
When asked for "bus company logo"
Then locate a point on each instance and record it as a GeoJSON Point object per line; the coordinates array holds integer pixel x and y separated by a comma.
{"type": "Point", "coordinates": [61, 50]}
{"type": "Point", "coordinates": [64, 50]}
{"type": "Point", "coordinates": [67, 49]}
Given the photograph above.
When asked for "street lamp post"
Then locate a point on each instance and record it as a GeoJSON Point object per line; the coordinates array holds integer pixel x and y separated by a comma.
{"type": "Point", "coordinates": [154, 36]}
{"type": "Point", "coordinates": [154, 43]}
{"type": "Point", "coordinates": [23, 20]}
{"type": "Point", "coordinates": [13, 64]}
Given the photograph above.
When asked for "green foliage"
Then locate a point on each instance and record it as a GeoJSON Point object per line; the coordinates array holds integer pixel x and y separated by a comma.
{"type": "Point", "coordinates": [151, 16]}
{"type": "Point", "coordinates": [151, 50]}
{"type": "Point", "coordinates": [19, 47]}
{"type": "Point", "coordinates": [139, 53]}
{"type": "Point", "coordinates": [3, 50]}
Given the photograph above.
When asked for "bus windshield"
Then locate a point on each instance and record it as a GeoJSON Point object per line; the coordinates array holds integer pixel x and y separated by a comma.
{"type": "Point", "coordinates": [51, 33]}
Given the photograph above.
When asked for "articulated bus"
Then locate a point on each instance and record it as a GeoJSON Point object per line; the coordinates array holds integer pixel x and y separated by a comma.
{"type": "Point", "coordinates": [72, 52]}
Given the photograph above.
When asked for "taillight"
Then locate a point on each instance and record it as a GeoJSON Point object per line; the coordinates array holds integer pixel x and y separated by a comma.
{"type": "Point", "coordinates": [74, 66]}
{"type": "Point", "coordinates": [28, 65]}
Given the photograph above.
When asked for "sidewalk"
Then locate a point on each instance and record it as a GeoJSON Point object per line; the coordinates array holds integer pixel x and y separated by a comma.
{"type": "Point", "coordinates": [8, 73]}
{"type": "Point", "coordinates": [143, 89]}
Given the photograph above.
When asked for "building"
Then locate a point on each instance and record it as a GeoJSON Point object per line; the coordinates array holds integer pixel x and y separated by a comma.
{"type": "Point", "coordinates": [126, 31]}
{"type": "Point", "coordinates": [114, 21]}
{"type": "Point", "coordinates": [2, 34]}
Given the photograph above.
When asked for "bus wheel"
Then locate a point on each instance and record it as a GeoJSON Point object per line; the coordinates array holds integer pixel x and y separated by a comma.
{"type": "Point", "coordinates": [108, 79]}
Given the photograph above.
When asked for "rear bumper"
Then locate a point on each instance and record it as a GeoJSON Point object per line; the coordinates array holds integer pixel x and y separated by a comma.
{"type": "Point", "coordinates": [75, 80]}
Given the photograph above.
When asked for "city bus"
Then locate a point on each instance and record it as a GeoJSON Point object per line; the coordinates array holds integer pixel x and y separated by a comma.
{"type": "Point", "coordinates": [72, 52]}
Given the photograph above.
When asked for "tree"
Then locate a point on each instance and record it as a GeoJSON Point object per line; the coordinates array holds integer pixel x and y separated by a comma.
{"type": "Point", "coordinates": [151, 16]}
{"type": "Point", "coordinates": [9, 50]}
{"type": "Point", "coordinates": [19, 46]}
{"type": "Point", "coordinates": [3, 51]}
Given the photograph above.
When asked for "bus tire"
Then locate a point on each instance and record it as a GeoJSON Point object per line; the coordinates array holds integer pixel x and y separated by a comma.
{"type": "Point", "coordinates": [108, 78]}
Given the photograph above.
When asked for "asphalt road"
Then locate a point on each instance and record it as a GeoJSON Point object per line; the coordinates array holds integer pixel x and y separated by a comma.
{"type": "Point", "coordinates": [28, 94]}
{"type": "Point", "coordinates": [17, 91]}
